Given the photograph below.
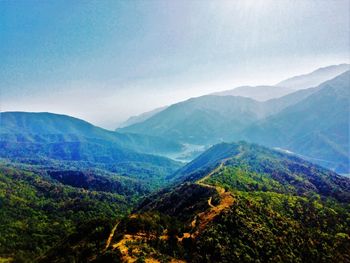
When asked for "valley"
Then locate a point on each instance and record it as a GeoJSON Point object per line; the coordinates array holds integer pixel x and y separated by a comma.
{"type": "Point", "coordinates": [218, 178]}
{"type": "Point", "coordinates": [292, 122]}
{"type": "Point", "coordinates": [174, 131]}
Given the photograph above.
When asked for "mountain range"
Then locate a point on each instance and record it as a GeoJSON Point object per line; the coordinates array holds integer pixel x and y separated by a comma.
{"type": "Point", "coordinates": [31, 127]}
{"type": "Point", "coordinates": [314, 78]}
{"type": "Point", "coordinates": [61, 176]}
{"type": "Point", "coordinates": [317, 127]}
{"type": "Point", "coordinates": [65, 143]}
{"type": "Point", "coordinates": [259, 180]}
{"type": "Point", "coordinates": [287, 122]}
{"type": "Point", "coordinates": [259, 93]}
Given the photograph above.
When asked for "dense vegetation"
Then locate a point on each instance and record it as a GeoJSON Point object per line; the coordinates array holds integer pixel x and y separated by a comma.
{"type": "Point", "coordinates": [70, 152]}
{"type": "Point", "coordinates": [259, 227]}
{"type": "Point", "coordinates": [101, 153]}
{"type": "Point", "coordinates": [260, 168]}
{"type": "Point", "coordinates": [45, 138]}
{"type": "Point", "coordinates": [271, 227]}
{"type": "Point", "coordinates": [66, 185]}
{"type": "Point", "coordinates": [284, 210]}
{"type": "Point", "coordinates": [63, 180]}
{"type": "Point", "coordinates": [256, 168]}
{"type": "Point", "coordinates": [36, 212]}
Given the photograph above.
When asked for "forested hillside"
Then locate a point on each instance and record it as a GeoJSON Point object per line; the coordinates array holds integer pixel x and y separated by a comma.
{"type": "Point", "coordinates": [160, 131]}
{"type": "Point", "coordinates": [46, 139]}
{"type": "Point", "coordinates": [38, 212]}
{"type": "Point", "coordinates": [247, 204]}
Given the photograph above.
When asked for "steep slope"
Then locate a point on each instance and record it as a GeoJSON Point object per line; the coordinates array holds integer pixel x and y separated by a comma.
{"type": "Point", "coordinates": [294, 174]}
{"type": "Point", "coordinates": [202, 120]}
{"type": "Point", "coordinates": [205, 162]}
{"type": "Point", "coordinates": [311, 122]}
{"type": "Point", "coordinates": [316, 127]}
{"type": "Point", "coordinates": [246, 203]}
{"type": "Point", "coordinates": [211, 119]}
{"type": "Point", "coordinates": [314, 78]}
{"type": "Point", "coordinates": [259, 93]}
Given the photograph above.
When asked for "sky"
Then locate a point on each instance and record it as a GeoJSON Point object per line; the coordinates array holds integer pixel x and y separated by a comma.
{"type": "Point", "coordinates": [104, 61]}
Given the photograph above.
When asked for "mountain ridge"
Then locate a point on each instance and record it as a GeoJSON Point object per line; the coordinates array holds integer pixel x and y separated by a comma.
{"type": "Point", "coordinates": [49, 138]}
{"type": "Point", "coordinates": [141, 117]}
{"type": "Point", "coordinates": [46, 124]}
{"type": "Point", "coordinates": [252, 195]}
{"type": "Point", "coordinates": [307, 123]}
{"type": "Point", "coordinates": [258, 93]}
{"type": "Point", "coordinates": [211, 119]}
{"type": "Point", "coordinates": [315, 77]}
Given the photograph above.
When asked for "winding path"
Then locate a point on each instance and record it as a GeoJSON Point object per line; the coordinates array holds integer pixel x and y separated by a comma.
{"type": "Point", "coordinates": [199, 222]}
{"type": "Point", "coordinates": [110, 237]}
{"type": "Point", "coordinates": [226, 200]}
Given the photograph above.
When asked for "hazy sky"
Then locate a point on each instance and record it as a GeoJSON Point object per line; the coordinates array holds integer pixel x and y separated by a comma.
{"type": "Point", "coordinates": [106, 60]}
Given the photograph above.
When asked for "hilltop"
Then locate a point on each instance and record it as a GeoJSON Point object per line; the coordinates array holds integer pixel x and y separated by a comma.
{"type": "Point", "coordinates": [239, 202]}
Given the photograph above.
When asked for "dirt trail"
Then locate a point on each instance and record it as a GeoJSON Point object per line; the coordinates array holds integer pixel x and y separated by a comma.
{"type": "Point", "coordinates": [201, 181]}
{"type": "Point", "coordinates": [110, 237]}
{"type": "Point", "coordinates": [122, 246]}
{"type": "Point", "coordinates": [199, 222]}
{"type": "Point", "coordinates": [209, 202]}
{"type": "Point", "coordinates": [226, 200]}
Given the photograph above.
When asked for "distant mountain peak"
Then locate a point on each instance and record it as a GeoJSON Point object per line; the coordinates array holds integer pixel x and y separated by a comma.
{"type": "Point", "coordinates": [259, 93]}
{"type": "Point", "coordinates": [141, 117]}
{"type": "Point", "coordinates": [314, 78]}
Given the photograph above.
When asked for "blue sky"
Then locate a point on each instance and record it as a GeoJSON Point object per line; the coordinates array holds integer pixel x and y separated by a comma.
{"type": "Point", "coordinates": [106, 60]}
